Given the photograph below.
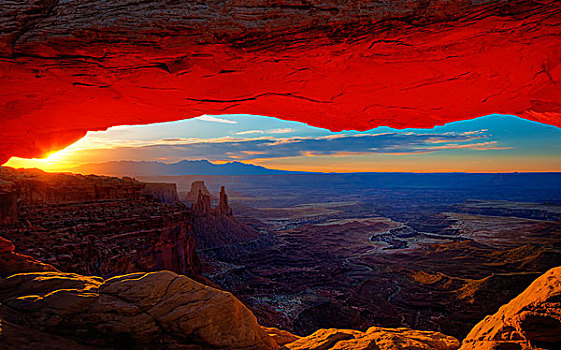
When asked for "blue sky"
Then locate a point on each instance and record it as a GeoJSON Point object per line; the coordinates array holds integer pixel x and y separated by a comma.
{"type": "Point", "coordinates": [494, 143]}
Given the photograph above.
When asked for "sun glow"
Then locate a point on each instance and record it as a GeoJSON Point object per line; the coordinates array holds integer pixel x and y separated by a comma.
{"type": "Point", "coordinates": [487, 144]}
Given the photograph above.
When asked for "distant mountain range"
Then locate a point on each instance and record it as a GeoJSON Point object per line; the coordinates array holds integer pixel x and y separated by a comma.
{"type": "Point", "coordinates": [184, 167]}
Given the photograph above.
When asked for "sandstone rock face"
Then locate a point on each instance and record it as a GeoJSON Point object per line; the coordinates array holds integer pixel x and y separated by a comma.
{"type": "Point", "coordinates": [532, 320]}
{"type": "Point", "coordinates": [12, 262]}
{"type": "Point", "coordinates": [159, 310]}
{"type": "Point", "coordinates": [396, 63]}
{"type": "Point", "coordinates": [193, 194]}
{"type": "Point", "coordinates": [162, 192]}
{"type": "Point", "coordinates": [281, 336]}
{"type": "Point", "coordinates": [8, 206]}
{"type": "Point", "coordinates": [223, 208]}
{"type": "Point", "coordinates": [375, 338]}
{"type": "Point", "coordinates": [82, 224]}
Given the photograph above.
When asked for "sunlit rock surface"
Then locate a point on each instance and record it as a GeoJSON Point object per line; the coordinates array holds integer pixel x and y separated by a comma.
{"type": "Point", "coordinates": [159, 310]}
{"type": "Point", "coordinates": [375, 338]}
{"type": "Point", "coordinates": [532, 320]}
{"type": "Point", "coordinates": [69, 67]}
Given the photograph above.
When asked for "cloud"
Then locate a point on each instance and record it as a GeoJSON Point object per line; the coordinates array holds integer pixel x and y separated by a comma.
{"type": "Point", "coordinates": [281, 131]}
{"type": "Point", "coordinates": [247, 132]}
{"type": "Point", "coordinates": [396, 143]}
{"type": "Point", "coordinates": [209, 118]}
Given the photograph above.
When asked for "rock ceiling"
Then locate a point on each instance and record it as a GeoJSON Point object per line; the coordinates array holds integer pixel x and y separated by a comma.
{"type": "Point", "coordinates": [67, 67]}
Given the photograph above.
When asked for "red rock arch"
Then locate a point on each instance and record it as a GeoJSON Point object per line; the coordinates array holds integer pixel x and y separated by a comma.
{"type": "Point", "coordinates": [88, 64]}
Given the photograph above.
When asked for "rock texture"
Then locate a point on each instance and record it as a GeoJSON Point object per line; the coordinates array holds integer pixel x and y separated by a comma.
{"type": "Point", "coordinates": [375, 338]}
{"type": "Point", "coordinates": [162, 192]}
{"type": "Point", "coordinates": [96, 225]}
{"type": "Point", "coordinates": [12, 262]}
{"type": "Point", "coordinates": [159, 310]}
{"type": "Point", "coordinates": [532, 320]}
{"type": "Point", "coordinates": [8, 205]}
{"type": "Point", "coordinates": [334, 64]}
{"type": "Point", "coordinates": [217, 227]}
{"type": "Point", "coordinates": [35, 186]}
{"type": "Point", "coordinates": [193, 194]}
{"type": "Point", "coordinates": [223, 208]}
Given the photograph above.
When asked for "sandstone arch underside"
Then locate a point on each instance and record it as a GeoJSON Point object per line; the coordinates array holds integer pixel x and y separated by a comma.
{"type": "Point", "coordinates": [67, 67]}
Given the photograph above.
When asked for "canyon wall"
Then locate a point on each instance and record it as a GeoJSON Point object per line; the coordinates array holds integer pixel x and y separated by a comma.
{"type": "Point", "coordinates": [100, 226]}
{"type": "Point", "coordinates": [8, 206]}
{"type": "Point", "coordinates": [162, 192]}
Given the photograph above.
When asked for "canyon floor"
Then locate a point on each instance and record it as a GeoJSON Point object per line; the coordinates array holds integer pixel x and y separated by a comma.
{"type": "Point", "coordinates": [382, 261]}
{"type": "Point", "coordinates": [354, 251]}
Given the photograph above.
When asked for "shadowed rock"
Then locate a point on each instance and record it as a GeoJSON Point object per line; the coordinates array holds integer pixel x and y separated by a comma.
{"type": "Point", "coordinates": [12, 262]}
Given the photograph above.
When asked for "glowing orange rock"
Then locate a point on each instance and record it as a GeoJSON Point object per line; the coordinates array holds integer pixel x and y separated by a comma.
{"type": "Point", "coordinates": [87, 65]}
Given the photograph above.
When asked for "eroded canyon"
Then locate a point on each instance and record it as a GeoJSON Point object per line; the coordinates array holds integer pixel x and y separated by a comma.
{"type": "Point", "coordinates": [297, 264]}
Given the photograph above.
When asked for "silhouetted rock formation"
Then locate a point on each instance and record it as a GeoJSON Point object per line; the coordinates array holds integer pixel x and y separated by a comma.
{"type": "Point", "coordinates": [101, 226]}
{"type": "Point", "coordinates": [223, 208]}
{"type": "Point", "coordinates": [532, 320]}
{"type": "Point", "coordinates": [217, 227]}
{"type": "Point", "coordinates": [202, 206]}
{"type": "Point", "coordinates": [196, 188]}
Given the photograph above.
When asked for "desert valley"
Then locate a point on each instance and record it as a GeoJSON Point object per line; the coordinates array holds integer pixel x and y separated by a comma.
{"type": "Point", "coordinates": [280, 175]}
{"type": "Point", "coordinates": [304, 253]}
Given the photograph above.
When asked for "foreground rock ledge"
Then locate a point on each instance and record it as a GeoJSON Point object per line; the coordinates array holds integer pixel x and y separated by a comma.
{"type": "Point", "coordinates": [163, 310]}
{"type": "Point", "coordinates": [375, 338]}
{"type": "Point", "coordinates": [532, 320]}
{"type": "Point", "coordinates": [160, 310]}
{"type": "Point", "coordinates": [143, 310]}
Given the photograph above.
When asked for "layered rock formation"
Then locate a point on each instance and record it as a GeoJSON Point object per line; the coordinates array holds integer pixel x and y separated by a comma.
{"type": "Point", "coordinates": [216, 227]}
{"type": "Point", "coordinates": [403, 64]}
{"type": "Point", "coordinates": [532, 320]}
{"type": "Point", "coordinates": [159, 310]}
{"type": "Point", "coordinates": [8, 205]}
{"type": "Point", "coordinates": [162, 192]}
{"type": "Point", "coordinates": [193, 194]}
{"type": "Point", "coordinates": [12, 262]}
{"type": "Point", "coordinates": [34, 186]}
{"type": "Point", "coordinates": [100, 225]}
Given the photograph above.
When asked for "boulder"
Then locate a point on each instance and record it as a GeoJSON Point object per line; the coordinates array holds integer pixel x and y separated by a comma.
{"type": "Point", "coordinates": [158, 310]}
